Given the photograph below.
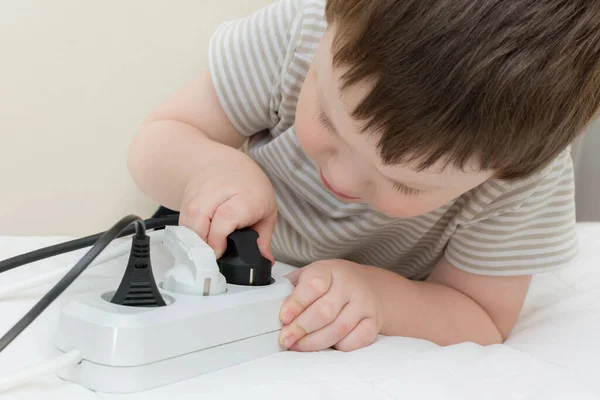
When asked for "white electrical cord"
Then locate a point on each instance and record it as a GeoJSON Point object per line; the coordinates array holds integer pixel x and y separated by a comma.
{"type": "Point", "coordinates": [110, 253]}
{"type": "Point", "coordinates": [28, 374]}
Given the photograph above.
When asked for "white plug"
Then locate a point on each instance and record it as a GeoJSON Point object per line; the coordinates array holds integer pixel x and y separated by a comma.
{"type": "Point", "coordinates": [195, 271]}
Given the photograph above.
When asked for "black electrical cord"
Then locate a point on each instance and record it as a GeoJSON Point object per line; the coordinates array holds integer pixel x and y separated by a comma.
{"type": "Point", "coordinates": [102, 242]}
{"type": "Point", "coordinates": [61, 248]}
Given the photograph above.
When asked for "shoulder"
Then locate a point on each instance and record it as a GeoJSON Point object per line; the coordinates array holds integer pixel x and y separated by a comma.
{"type": "Point", "coordinates": [522, 227]}
{"type": "Point", "coordinates": [258, 62]}
{"type": "Point", "coordinates": [551, 187]}
{"type": "Point", "coordinates": [281, 26]}
{"type": "Point", "coordinates": [304, 36]}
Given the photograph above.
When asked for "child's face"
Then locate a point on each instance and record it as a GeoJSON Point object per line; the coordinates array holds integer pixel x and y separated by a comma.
{"type": "Point", "coordinates": [347, 159]}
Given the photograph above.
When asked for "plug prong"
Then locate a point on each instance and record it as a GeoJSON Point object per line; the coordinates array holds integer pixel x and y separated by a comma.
{"type": "Point", "coordinates": [206, 290]}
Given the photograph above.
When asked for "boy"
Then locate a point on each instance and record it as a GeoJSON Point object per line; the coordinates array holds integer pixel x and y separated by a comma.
{"type": "Point", "coordinates": [412, 156]}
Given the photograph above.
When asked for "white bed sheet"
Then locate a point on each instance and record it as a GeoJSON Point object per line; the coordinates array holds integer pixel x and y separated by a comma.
{"type": "Point", "coordinates": [553, 352]}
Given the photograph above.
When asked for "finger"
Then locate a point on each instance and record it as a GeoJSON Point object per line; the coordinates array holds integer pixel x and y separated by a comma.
{"type": "Point", "coordinates": [312, 284]}
{"type": "Point", "coordinates": [365, 334]}
{"type": "Point", "coordinates": [329, 335]}
{"type": "Point", "coordinates": [320, 314]}
{"type": "Point", "coordinates": [229, 216]}
{"type": "Point", "coordinates": [265, 228]}
{"type": "Point", "coordinates": [199, 212]}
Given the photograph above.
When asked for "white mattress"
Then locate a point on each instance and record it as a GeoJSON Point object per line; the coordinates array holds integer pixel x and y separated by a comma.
{"type": "Point", "coordinates": [552, 354]}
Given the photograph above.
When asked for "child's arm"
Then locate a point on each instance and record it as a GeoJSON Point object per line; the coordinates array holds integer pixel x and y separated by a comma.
{"type": "Point", "coordinates": [206, 123]}
{"type": "Point", "coordinates": [346, 305]}
{"type": "Point", "coordinates": [452, 306]}
{"type": "Point", "coordinates": [186, 157]}
{"type": "Point", "coordinates": [187, 133]}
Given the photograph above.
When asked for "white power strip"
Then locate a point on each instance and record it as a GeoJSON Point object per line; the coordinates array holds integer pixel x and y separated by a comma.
{"type": "Point", "coordinates": [130, 349]}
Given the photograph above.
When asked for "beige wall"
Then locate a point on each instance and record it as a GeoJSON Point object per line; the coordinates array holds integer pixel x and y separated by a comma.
{"type": "Point", "coordinates": [76, 79]}
{"type": "Point", "coordinates": [586, 157]}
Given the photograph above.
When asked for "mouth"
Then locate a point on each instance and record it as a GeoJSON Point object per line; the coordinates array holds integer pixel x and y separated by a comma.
{"type": "Point", "coordinates": [332, 190]}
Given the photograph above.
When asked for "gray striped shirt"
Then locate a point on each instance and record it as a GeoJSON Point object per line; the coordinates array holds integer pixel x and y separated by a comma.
{"type": "Point", "coordinates": [258, 65]}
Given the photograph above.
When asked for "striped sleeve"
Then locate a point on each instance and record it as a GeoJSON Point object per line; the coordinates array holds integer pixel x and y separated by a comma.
{"type": "Point", "coordinates": [528, 229]}
{"type": "Point", "coordinates": [246, 58]}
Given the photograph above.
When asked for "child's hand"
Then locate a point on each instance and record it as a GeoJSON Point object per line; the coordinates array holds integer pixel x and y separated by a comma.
{"type": "Point", "coordinates": [219, 201]}
{"type": "Point", "coordinates": [332, 305]}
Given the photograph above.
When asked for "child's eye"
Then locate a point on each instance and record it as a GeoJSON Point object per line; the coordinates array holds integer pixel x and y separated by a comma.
{"type": "Point", "coordinates": [408, 191]}
{"type": "Point", "coordinates": [325, 121]}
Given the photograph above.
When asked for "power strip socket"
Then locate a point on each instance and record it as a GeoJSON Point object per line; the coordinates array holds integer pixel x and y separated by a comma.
{"type": "Point", "coordinates": [132, 349]}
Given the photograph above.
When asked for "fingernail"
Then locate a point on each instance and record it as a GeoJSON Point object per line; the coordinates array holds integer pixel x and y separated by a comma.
{"type": "Point", "coordinates": [284, 336]}
{"type": "Point", "coordinates": [284, 316]}
{"type": "Point", "coordinates": [288, 341]}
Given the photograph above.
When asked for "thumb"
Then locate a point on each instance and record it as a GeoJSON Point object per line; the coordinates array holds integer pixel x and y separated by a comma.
{"type": "Point", "coordinates": [265, 228]}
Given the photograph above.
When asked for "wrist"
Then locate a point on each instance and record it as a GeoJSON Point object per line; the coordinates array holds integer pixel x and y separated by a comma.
{"type": "Point", "coordinates": [165, 155]}
{"type": "Point", "coordinates": [220, 160]}
{"type": "Point", "coordinates": [391, 291]}
{"type": "Point", "coordinates": [373, 278]}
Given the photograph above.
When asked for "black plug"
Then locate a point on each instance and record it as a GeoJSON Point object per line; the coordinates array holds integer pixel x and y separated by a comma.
{"type": "Point", "coordinates": [242, 263]}
{"type": "Point", "coordinates": [138, 287]}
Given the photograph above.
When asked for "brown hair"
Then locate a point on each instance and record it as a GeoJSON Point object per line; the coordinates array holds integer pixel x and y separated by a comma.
{"type": "Point", "coordinates": [508, 82]}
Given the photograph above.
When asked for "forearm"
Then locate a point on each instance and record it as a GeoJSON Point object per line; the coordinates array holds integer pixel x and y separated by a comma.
{"type": "Point", "coordinates": [430, 311]}
{"type": "Point", "coordinates": [165, 155]}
